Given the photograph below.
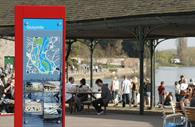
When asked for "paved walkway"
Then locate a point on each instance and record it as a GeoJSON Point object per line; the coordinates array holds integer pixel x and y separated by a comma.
{"type": "Point", "coordinates": [113, 120]}
{"type": "Point", "coordinates": [108, 120]}
{"type": "Point", "coordinates": [6, 121]}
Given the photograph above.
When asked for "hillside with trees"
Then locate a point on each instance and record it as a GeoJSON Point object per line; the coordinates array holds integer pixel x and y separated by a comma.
{"type": "Point", "coordinates": [106, 49]}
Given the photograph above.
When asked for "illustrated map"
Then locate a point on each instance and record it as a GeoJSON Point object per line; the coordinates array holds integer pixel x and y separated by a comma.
{"type": "Point", "coordinates": [43, 55]}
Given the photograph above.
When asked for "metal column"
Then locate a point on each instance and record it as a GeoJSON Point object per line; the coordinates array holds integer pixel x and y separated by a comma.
{"type": "Point", "coordinates": [91, 47]}
{"type": "Point", "coordinates": [141, 58]}
{"type": "Point", "coordinates": [69, 49]}
{"type": "Point", "coordinates": [153, 45]}
{"type": "Point", "coordinates": [152, 74]}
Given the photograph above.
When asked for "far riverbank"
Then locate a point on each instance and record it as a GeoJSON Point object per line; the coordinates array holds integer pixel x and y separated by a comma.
{"type": "Point", "coordinates": [105, 74]}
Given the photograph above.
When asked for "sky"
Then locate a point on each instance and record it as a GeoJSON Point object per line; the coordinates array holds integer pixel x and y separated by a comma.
{"type": "Point", "coordinates": [171, 44]}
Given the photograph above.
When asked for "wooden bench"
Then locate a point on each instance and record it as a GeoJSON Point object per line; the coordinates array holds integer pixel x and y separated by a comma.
{"type": "Point", "coordinates": [72, 106]}
{"type": "Point", "coordinates": [190, 114]}
{"type": "Point", "coordinates": [88, 103]}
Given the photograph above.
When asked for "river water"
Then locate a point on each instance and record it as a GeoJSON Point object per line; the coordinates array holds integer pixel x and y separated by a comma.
{"type": "Point", "coordinates": [169, 75]}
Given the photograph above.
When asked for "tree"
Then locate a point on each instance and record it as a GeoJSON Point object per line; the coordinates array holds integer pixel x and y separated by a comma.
{"type": "Point", "coordinates": [181, 48]}
{"type": "Point", "coordinates": [131, 48]}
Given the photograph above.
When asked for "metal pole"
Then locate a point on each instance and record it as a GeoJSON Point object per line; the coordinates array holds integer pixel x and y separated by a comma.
{"type": "Point", "coordinates": [154, 69]}
{"type": "Point", "coordinates": [151, 74]}
{"type": "Point", "coordinates": [155, 44]}
{"type": "Point", "coordinates": [67, 70]}
{"type": "Point", "coordinates": [141, 42]}
{"type": "Point", "coordinates": [91, 46]}
{"type": "Point", "coordinates": [67, 55]}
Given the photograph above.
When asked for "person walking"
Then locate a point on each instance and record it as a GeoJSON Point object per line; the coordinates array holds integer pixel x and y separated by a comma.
{"type": "Point", "coordinates": [126, 91]}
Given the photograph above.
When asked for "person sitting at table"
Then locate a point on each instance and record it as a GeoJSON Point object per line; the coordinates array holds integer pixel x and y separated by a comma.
{"type": "Point", "coordinates": [2, 95]}
{"type": "Point", "coordinates": [188, 96]}
{"type": "Point", "coordinates": [83, 88]}
{"type": "Point", "coordinates": [105, 97]}
{"type": "Point", "coordinates": [8, 89]}
{"type": "Point", "coordinates": [68, 88]}
{"type": "Point", "coordinates": [83, 84]}
{"type": "Point", "coordinates": [96, 88]}
{"type": "Point", "coordinates": [192, 102]}
{"type": "Point", "coordinates": [168, 99]}
{"type": "Point", "coordinates": [69, 97]}
{"type": "Point", "coordinates": [8, 95]}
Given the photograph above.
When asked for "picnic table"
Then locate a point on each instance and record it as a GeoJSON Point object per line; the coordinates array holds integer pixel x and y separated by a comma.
{"type": "Point", "coordinates": [72, 104]}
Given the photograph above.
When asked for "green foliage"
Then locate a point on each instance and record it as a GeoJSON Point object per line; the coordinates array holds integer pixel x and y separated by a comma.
{"type": "Point", "coordinates": [80, 49]}
{"type": "Point", "coordinates": [99, 52]}
{"type": "Point", "coordinates": [72, 62]}
{"type": "Point", "coordinates": [163, 58]}
{"type": "Point", "coordinates": [131, 48]}
{"type": "Point", "coordinates": [111, 48]}
{"type": "Point", "coordinates": [189, 57]}
{"type": "Point", "coordinates": [106, 48]}
{"type": "Point", "coordinates": [113, 70]}
{"type": "Point", "coordinates": [110, 66]}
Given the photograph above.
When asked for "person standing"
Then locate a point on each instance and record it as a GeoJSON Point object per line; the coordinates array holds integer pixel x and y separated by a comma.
{"type": "Point", "coordinates": [115, 90]}
{"type": "Point", "coordinates": [161, 92]}
{"type": "Point", "coordinates": [135, 90]}
{"type": "Point", "coordinates": [191, 83]}
{"type": "Point", "coordinates": [126, 91]}
{"type": "Point", "coordinates": [104, 99]}
{"type": "Point", "coordinates": [182, 79]}
{"type": "Point", "coordinates": [147, 93]}
{"type": "Point", "coordinates": [177, 91]}
{"type": "Point", "coordinates": [183, 92]}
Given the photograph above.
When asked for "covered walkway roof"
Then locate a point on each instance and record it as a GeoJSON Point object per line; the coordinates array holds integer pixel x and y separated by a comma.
{"type": "Point", "coordinates": [114, 18]}
{"type": "Point", "coordinates": [105, 19]}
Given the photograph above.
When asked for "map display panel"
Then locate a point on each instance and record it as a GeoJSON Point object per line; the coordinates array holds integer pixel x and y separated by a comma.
{"type": "Point", "coordinates": [43, 49]}
{"type": "Point", "coordinates": [42, 72]}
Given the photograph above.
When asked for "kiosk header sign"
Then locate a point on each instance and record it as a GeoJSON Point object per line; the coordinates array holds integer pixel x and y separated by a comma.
{"type": "Point", "coordinates": [40, 63]}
